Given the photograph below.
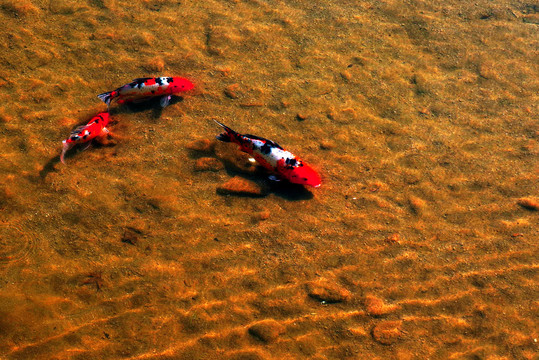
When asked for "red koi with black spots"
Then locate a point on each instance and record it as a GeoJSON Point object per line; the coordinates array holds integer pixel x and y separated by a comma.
{"type": "Point", "coordinates": [95, 128]}
{"type": "Point", "coordinates": [145, 88]}
{"type": "Point", "coordinates": [273, 157]}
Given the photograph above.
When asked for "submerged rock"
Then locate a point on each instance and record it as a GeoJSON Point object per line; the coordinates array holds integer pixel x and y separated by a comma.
{"type": "Point", "coordinates": [328, 292]}
{"type": "Point", "coordinates": [327, 145]}
{"type": "Point", "coordinates": [232, 91]}
{"type": "Point", "coordinates": [377, 307]}
{"type": "Point", "coordinates": [208, 164]}
{"type": "Point", "coordinates": [203, 145]}
{"type": "Point", "coordinates": [529, 204]}
{"type": "Point", "coordinates": [301, 116]}
{"type": "Point", "coordinates": [262, 215]}
{"type": "Point", "coordinates": [266, 331]}
{"type": "Point", "coordinates": [235, 159]}
{"type": "Point", "coordinates": [387, 332]}
{"type": "Point", "coordinates": [240, 186]}
{"type": "Point", "coordinates": [130, 238]}
{"type": "Point", "coordinates": [417, 205]}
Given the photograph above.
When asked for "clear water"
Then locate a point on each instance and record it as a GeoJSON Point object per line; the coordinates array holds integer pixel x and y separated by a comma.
{"type": "Point", "coordinates": [421, 118]}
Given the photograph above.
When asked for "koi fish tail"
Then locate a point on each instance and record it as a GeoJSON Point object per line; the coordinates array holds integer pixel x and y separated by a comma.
{"type": "Point", "coordinates": [65, 148]}
{"type": "Point", "coordinates": [229, 135]}
{"type": "Point", "coordinates": [106, 97]}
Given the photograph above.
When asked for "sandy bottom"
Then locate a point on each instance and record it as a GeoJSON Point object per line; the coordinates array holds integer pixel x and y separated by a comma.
{"type": "Point", "coordinates": [421, 243]}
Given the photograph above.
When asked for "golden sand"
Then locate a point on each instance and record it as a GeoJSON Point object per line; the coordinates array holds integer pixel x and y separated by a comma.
{"type": "Point", "coordinates": [421, 117]}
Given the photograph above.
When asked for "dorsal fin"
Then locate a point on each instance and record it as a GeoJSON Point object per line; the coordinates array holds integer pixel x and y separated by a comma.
{"type": "Point", "coordinates": [137, 80]}
{"type": "Point", "coordinates": [78, 129]}
{"type": "Point", "coordinates": [269, 142]}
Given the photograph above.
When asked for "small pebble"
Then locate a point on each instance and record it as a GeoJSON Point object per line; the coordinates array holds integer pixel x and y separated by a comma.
{"type": "Point", "coordinates": [387, 332]}
{"type": "Point", "coordinates": [327, 145]}
{"type": "Point", "coordinates": [225, 71]}
{"type": "Point", "coordinates": [130, 237]}
{"type": "Point", "coordinates": [138, 226]}
{"type": "Point", "coordinates": [424, 111]}
{"type": "Point", "coordinates": [266, 331]}
{"type": "Point", "coordinates": [529, 204]}
{"type": "Point", "coordinates": [19, 8]}
{"type": "Point", "coordinates": [393, 238]}
{"type": "Point", "coordinates": [331, 115]}
{"type": "Point", "coordinates": [358, 332]}
{"type": "Point", "coordinates": [418, 205]}
{"type": "Point", "coordinates": [285, 103]}
{"type": "Point", "coordinates": [262, 215]}
{"type": "Point", "coordinates": [301, 116]}
{"type": "Point", "coordinates": [232, 91]}
{"type": "Point", "coordinates": [487, 71]}
{"type": "Point", "coordinates": [346, 75]}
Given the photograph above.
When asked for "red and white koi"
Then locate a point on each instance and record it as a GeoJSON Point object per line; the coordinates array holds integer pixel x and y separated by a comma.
{"type": "Point", "coordinates": [96, 127]}
{"type": "Point", "coordinates": [145, 88]}
{"type": "Point", "coordinates": [273, 157]}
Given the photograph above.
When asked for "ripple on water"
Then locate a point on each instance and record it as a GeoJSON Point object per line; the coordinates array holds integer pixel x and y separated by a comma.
{"type": "Point", "coordinates": [15, 245]}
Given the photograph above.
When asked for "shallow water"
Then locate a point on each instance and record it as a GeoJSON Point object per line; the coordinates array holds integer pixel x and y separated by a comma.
{"type": "Point", "coordinates": [420, 243]}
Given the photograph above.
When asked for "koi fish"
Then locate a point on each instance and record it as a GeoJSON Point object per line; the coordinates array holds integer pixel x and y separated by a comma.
{"type": "Point", "coordinates": [145, 88]}
{"type": "Point", "coordinates": [96, 127]}
{"type": "Point", "coordinates": [273, 157]}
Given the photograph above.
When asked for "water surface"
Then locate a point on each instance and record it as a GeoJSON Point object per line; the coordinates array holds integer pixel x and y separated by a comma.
{"type": "Point", "coordinates": [420, 116]}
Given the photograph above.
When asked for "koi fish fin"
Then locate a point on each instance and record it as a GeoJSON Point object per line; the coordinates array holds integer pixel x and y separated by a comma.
{"type": "Point", "coordinates": [78, 130]}
{"type": "Point", "coordinates": [228, 135]}
{"type": "Point", "coordinates": [86, 146]}
{"type": "Point", "coordinates": [106, 97]}
{"type": "Point", "coordinates": [140, 80]}
{"type": "Point", "coordinates": [270, 142]}
{"type": "Point", "coordinates": [65, 148]}
{"type": "Point", "coordinates": [165, 101]}
{"type": "Point", "coordinates": [104, 132]}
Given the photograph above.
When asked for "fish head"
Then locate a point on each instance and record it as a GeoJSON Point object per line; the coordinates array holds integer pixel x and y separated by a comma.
{"type": "Point", "coordinates": [73, 139]}
{"type": "Point", "coordinates": [305, 175]}
{"type": "Point", "coordinates": [181, 85]}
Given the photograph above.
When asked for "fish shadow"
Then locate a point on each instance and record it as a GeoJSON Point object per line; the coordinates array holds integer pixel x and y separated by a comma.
{"type": "Point", "coordinates": [153, 104]}
{"type": "Point", "coordinates": [289, 191]}
{"type": "Point", "coordinates": [49, 167]}
{"type": "Point", "coordinates": [282, 188]}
